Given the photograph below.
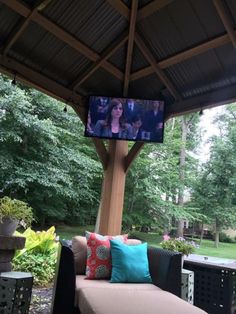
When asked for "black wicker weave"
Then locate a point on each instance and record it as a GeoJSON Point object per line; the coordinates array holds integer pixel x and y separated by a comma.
{"type": "Point", "coordinates": [214, 288]}
{"type": "Point", "coordinates": [164, 266]}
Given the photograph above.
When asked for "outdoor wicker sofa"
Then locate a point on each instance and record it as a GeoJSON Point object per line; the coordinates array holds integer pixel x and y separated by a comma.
{"type": "Point", "coordinates": [74, 294]}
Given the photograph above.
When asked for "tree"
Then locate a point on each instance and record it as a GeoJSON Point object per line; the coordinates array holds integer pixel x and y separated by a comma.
{"type": "Point", "coordinates": [43, 159]}
{"type": "Point", "coordinates": [216, 190]}
{"type": "Point", "coordinates": [153, 183]}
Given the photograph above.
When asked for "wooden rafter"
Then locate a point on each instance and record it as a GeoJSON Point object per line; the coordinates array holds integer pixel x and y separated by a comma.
{"type": "Point", "coordinates": [144, 12]}
{"type": "Point", "coordinates": [13, 38]}
{"type": "Point", "coordinates": [120, 7]}
{"type": "Point", "coordinates": [106, 55]}
{"type": "Point", "coordinates": [133, 153]}
{"type": "Point", "coordinates": [31, 77]}
{"type": "Point", "coordinates": [151, 59]}
{"type": "Point", "coordinates": [130, 45]}
{"type": "Point", "coordinates": [226, 20]}
{"type": "Point", "coordinates": [193, 104]}
{"type": "Point", "coordinates": [182, 56]}
{"type": "Point", "coordinates": [62, 35]}
{"type": "Point", "coordinates": [98, 143]}
{"type": "Point", "coordinates": [151, 8]}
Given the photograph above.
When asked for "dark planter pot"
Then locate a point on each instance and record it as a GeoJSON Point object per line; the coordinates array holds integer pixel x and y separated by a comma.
{"type": "Point", "coordinates": [8, 226]}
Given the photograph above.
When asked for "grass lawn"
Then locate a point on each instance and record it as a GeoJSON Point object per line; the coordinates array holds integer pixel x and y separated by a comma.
{"type": "Point", "coordinates": [68, 232]}
{"type": "Point", "coordinates": [225, 250]}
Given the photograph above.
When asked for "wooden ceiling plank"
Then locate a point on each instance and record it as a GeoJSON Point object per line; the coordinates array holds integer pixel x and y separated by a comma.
{"type": "Point", "coordinates": [120, 7]}
{"type": "Point", "coordinates": [13, 38]}
{"type": "Point", "coordinates": [104, 56]}
{"type": "Point", "coordinates": [132, 154]}
{"type": "Point", "coordinates": [151, 8]}
{"type": "Point", "coordinates": [132, 25]}
{"type": "Point", "coordinates": [182, 56]}
{"type": "Point", "coordinates": [226, 20]}
{"type": "Point", "coordinates": [62, 35]}
{"type": "Point", "coordinates": [151, 59]}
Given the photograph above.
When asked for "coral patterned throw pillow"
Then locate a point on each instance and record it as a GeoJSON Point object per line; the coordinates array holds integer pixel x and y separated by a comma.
{"type": "Point", "coordinates": [98, 264]}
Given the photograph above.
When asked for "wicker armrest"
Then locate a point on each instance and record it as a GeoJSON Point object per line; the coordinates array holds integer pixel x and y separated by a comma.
{"type": "Point", "coordinates": [64, 283]}
{"type": "Point", "coordinates": [165, 269]}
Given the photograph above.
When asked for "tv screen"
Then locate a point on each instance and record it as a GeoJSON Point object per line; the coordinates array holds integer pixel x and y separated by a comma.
{"type": "Point", "coordinates": [125, 119]}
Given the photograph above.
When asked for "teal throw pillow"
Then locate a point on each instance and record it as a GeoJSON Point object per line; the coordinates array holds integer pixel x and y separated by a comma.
{"type": "Point", "coordinates": [129, 263]}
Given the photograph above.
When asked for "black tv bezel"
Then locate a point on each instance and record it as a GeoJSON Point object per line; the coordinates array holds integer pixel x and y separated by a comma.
{"type": "Point", "coordinates": [121, 139]}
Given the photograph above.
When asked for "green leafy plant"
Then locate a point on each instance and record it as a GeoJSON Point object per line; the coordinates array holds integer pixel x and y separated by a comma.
{"type": "Point", "coordinates": [39, 255]}
{"type": "Point", "coordinates": [16, 210]}
{"type": "Point", "coordinates": [178, 245]}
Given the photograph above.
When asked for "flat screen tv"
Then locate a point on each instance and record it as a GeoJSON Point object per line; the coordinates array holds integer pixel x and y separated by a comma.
{"type": "Point", "coordinates": [125, 119]}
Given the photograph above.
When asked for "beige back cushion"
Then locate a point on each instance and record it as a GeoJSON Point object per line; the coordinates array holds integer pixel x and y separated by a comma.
{"type": "Point", "coordinates": [79, 248]}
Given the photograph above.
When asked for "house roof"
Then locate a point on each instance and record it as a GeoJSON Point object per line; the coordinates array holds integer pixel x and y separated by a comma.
{"type": "Point", "coordinates": [182, 51]}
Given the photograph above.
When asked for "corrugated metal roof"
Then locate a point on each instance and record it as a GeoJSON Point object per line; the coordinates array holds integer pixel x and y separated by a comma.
{"type": "Point", "coordinates": [177, 27]}
{"type": "Point", "coordinates": [7, 25]}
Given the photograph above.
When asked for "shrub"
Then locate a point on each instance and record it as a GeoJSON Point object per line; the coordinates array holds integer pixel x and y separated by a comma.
{"type": "Point", "coordinates": [16, 210]}
{"type": "Point", "coordinates": [223, 237]}
{"type": "Point", "coordinates": [39, 255]}
{"type": "Point", "coordinates": [178, 245]}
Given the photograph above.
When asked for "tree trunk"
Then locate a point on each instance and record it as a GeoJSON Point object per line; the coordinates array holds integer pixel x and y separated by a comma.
{"type": "Point", "coordinates": [181, 174]}
{"type": "Point", "coordinates": [217, 234]}
{"type": "Point", "coordinates": [202, 232]}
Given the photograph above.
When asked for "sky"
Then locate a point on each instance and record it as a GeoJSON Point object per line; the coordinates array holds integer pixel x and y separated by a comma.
{"type": "Point", "coordinates": [208, 129]}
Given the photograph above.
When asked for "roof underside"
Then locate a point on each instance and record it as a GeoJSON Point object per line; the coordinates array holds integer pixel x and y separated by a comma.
{"type": "Point", "coordinates": [182, 51]}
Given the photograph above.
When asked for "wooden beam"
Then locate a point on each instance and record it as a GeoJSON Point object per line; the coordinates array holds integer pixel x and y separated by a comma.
{"type": "Point", "coordinates": [98, 143]}
{"type": "Point", "coordinates": [39, 81]}
{"type": "Point", "coordinates": [219, 97]}
{"type": "Point", "coordinates": [132, 154]}
{"type": "Point", "coordinates": [62, 35]}
{"type": "Point", "coordinates": [144, 12]}
{"type": "Point", "coordinates": [120, 7]}
{"type": "Point", "coordinates": [182, 56]}
{"type": "Point", "coordinates": [13, 38]}
{"type": "Point", "coordinates": [226, 20]}
{"type": "Point", "coordinates": [112, 196]}
{"type": "Point", "coordinates": [151, 59]}
{"type": "Point", "coordinates": [106, 55]}
{"type": "Point", "coordinates": [130, 45]}
{"type": "Point", "coordinates": [151, 8]}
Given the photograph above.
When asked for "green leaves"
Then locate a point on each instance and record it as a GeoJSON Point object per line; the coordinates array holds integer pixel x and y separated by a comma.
{"type": "Point", "coordinates": [43, 158]}
{"type": "Point", "coordinates": [16, 210]}
{"type": "Point", "coordinates": [38, 256]}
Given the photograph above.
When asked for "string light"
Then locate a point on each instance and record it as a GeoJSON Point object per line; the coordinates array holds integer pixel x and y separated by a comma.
{"type": "Point", "coordinates": [13, 82]}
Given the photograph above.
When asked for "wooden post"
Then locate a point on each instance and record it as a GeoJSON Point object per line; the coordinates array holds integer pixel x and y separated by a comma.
{"type": "Point", "coordinates": [112, 197]}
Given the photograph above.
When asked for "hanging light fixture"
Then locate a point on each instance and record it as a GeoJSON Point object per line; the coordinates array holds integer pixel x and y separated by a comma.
{"type": "Point", "coordinates": [13, 82]}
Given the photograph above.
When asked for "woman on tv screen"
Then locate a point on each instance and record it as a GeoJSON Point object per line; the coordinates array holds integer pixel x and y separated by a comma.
{"type": "Point", "coordinates": [114, 125]}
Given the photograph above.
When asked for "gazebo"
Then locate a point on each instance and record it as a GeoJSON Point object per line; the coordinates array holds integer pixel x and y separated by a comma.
{"type": "Point", "coordinates": [180, 50]}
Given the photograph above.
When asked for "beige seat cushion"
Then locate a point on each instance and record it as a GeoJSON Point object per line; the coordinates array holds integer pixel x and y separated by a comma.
{"type": "Point", "coordinates": [82, 283]}
{"type": "Point", "coordinates": [132, 301]}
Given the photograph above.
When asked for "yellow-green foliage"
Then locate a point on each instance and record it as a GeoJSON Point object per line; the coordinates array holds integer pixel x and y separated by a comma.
{"type": "Point", "coordinates": [38, 256]}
